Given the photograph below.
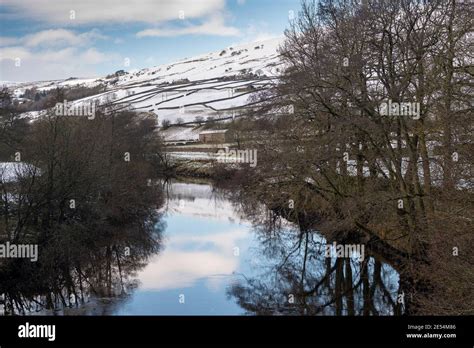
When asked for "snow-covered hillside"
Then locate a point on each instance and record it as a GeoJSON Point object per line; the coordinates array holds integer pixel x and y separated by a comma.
{"type": "Point", "coordinates": [216, 84]}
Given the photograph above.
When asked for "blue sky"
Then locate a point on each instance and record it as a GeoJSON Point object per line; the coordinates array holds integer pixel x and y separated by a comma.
{"type": "Point", "coordinates": [54, 39]}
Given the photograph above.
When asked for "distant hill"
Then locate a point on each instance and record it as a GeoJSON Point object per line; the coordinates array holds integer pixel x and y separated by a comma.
{"type": "Point", "coordinates": [216, 84]}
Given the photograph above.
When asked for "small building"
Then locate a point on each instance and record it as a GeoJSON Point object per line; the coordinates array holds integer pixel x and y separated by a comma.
{"type": "Point", "coordinates": [217, 136]}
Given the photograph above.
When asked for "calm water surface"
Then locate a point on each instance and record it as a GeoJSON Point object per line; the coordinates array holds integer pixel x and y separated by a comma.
{"type": "Point", "coordinates": [215, 262]}
{"type": "Point", "coordinates": [207, 247]}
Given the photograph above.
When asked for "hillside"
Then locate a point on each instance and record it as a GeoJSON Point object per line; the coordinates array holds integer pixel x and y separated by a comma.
{"type": "Point", "coordinates": [217, 84]}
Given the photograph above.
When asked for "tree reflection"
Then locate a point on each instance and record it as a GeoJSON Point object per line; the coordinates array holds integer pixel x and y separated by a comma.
{"type": "Point", "coordinates": [90, 209]}
{"type": "Point", "coordinates": [298, 279]}
{"type": "Point", "coordinates": [73, 271]}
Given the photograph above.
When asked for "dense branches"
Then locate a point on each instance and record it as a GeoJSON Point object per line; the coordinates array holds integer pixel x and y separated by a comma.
{"type": "Point", "coordinates": [380, 141]}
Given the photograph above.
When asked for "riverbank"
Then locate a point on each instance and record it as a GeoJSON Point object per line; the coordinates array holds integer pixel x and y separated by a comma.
{"type": "Point", "coordinates": [208, 169]}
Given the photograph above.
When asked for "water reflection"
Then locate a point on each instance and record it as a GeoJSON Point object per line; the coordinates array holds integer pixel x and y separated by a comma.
{"type": "Point", "coordinates": [82, 271]}
{"type": "Point", "coordinates": [205, 247]}
{"type": "Point", "coordinates": [212, 254]}
{"type": "Point", "coordinates": [299, 280]}
{"type": "Point", "coordinates": [226, 259]}
{"type": "Point", "coordinates": [296, 277]}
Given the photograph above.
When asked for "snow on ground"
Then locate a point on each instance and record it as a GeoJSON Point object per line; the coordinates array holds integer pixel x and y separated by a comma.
{"type": "Point", "coordinates": [12, 171]}
{"type": "Point", "coordinates": [210, 84]}
{"type": "Point", "coordinates": [175, 134]}
{"type": "Point", "coordinates": [193, 156]}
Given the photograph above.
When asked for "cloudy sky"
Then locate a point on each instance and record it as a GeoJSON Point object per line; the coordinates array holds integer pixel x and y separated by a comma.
{"type": "Point", "coordinates": [54, 39]}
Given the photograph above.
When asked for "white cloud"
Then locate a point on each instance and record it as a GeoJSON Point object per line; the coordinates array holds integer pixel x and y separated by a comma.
{"type": "Point", "coordinates": [14, 52]}
{"type": "Point", "coordinates": [257, 32]}
{"type": "Point", "coordinates": [176, 267]}
{"type": "Point", "coordinates": [53, 37]}
{"type": "Point", "coordinates": [52, 64]}
{"type": "Point", "coordinates": [93, 56]}
{"type": "Point", "coordinates": [52, 54]}
{"type": "Point", "coordinates": [59, 37]}
{"type": "Point", "coordinates": [214, 26]}
{"type": "Point", "coordinates": [8, 41]}
{"type": "Point", "coordinates": [41, 53]}
{"type": "Point", "coordinates": [111, 11]}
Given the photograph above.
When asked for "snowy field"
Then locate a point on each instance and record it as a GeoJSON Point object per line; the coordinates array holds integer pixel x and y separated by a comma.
{"type": "Point", "coordinates": [217, 84]}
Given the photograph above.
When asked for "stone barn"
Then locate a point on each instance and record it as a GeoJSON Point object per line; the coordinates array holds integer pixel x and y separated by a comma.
{"type": "Point", "coordinates": [218, 136]}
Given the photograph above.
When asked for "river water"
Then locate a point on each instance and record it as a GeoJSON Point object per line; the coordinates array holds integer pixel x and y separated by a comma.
{"type": "Point", "coordinates": [206, 248]}
{"type": "Point", "coordinates": [215, 262]}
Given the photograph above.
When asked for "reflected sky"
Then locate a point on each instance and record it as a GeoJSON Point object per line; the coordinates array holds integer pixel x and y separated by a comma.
{"type": "Point", "coordinates": [215, 262]}
{"type": "Point", "coordinates": [206, 248]}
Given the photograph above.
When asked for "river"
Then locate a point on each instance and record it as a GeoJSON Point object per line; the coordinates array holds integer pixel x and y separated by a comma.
{"type": "Point", "coordinates": [215, 262]}
{"type": "Point", "coordinates": [215, 259]}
